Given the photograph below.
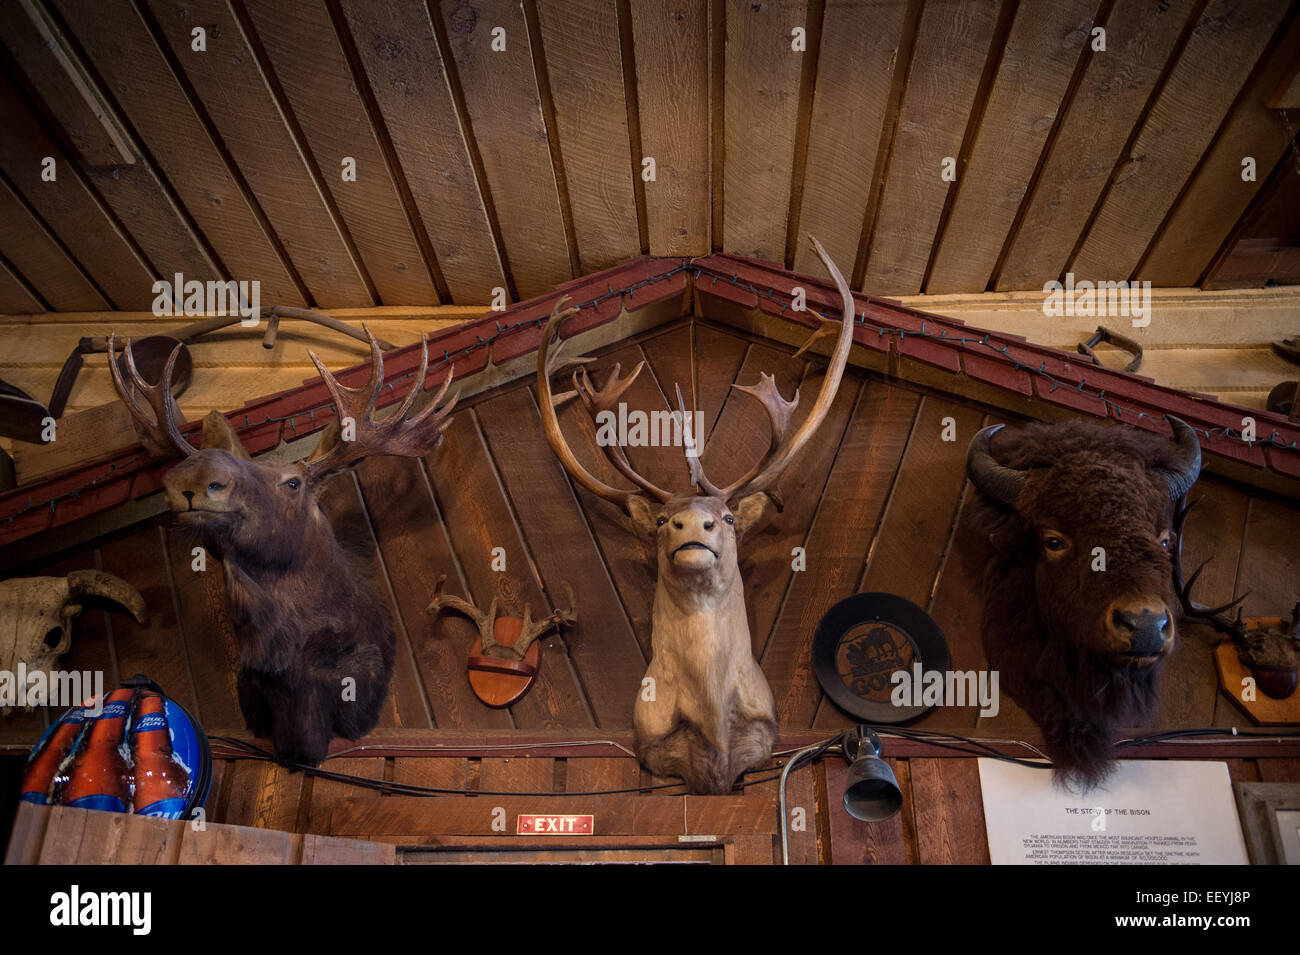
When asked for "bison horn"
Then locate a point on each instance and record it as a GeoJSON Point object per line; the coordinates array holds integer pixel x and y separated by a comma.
{"type": "Point", "coordinates": [1187, 462]}
{"type": "Point", "coordinates": [996, 480]}
{"type": "Point", "coordinates": [96, 583]}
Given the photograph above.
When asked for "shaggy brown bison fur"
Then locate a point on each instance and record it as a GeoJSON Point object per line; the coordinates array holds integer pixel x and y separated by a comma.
{"type": "Point", "coordinates": [1078, 646]}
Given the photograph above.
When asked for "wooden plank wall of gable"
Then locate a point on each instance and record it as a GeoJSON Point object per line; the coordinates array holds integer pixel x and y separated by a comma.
{"type": "Point", "coordinates": [513, 144]}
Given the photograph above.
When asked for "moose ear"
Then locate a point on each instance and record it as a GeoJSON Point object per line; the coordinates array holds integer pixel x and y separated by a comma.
{"type": "Point", "coordinates": [749, 511]}
{"type": "Point", "coordinates": [643, 513]}
{"type": "Point", "coordinates": [217, 433]}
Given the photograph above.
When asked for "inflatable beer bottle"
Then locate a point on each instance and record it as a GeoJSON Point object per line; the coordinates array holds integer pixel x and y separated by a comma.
{"type": "Point", "coordinates": [38, 778]}
{"type": "Point", "coordinates": [161, 782]}
{"type": "Point", "coordinates": [100, 777]}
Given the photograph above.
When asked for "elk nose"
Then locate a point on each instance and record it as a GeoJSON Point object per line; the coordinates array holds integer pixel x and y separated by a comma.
{"type": "Point", "coordinates": [708, 525]}
{"type": "Point", "coordinates": [1144, 629]}
{"type": "Point", "coordinates": [677, 523]}
{"type": "Point", "coordinates": [189, 497]}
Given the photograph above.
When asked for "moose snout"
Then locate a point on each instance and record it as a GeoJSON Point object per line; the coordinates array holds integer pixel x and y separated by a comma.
{"type": "Point", "coordinates": [1140, 628]}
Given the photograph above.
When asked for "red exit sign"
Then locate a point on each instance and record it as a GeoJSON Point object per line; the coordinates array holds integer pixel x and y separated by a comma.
{"type": "Point", "coordinates": [556, 825]}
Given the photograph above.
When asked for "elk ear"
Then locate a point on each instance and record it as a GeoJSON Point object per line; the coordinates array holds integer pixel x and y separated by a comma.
{"type": "Point", "coordinates": [749, 511]}
{"type": "Point", "coordinates": [643, 513]}
{"type": "Point", "coordinates": [217, 433]}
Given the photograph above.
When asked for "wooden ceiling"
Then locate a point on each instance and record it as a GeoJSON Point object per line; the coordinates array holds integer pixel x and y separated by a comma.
{"type": "Point", "coordinates": [521, 168]}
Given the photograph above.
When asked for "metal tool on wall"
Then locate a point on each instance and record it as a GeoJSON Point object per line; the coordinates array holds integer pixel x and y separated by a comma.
{"type": "Point", "coordinates": [22, 417]}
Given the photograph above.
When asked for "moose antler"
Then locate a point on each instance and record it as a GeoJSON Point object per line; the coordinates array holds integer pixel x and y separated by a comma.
{"type": "Point", "coordinates": [1214, 616]}
{"type": "Point", "coordinates": [397, 434]}
{"type": "Point", "coordinates": [783, 447]}
{"type": "Point", "coordinates": [529, 631]}
{"type": "Point", "coordinates": [160, 432]}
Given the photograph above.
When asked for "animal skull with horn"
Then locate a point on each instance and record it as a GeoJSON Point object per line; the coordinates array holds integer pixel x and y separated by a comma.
{"type": "Point", "coordinates": [711, 715]}
{"type": "Point", "coordinates": [36, 615]}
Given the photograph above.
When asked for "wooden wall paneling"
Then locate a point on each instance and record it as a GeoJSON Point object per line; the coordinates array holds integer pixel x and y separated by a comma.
{"type": "Point", "coordinates": [1217, 196]}
{"type": "Point", "coordinates": [41, 261]}
{"type": "Point", "coordinates": [949, 812]}
{"type": "Point", "coordinates": [80, 837]}
{"type": "Point", "coordinates": [671, 40]}
{"type": "Point", "coordinates": [147, 88]}
{"type": "Point", "coordinates": [598, 774]}
{"type": "Point", "coordinates": [908, 551]}
{"type": "Point", "coordinates": [207, 630]}
{"type": "Point", "coordinates": [140, 558]}
{"type": "Point", "coordinates": [400, 54]}
{"type": "Point", "coordinates": [1215, 528]}
{"type": "Point", "coordinates": [855, 73]}
{"type": "Point", "coordinates": [854, 842]}
{"type": "Point", "coordinates": [229, 81]}
{"type": "Point", "coordinates": [416, 552]}
{"type": "Point", "coordinates": [602, 646]}
{"type": "Point", "coordinates": [221, 845]}
{"type": "Point", "coordinates": [952, 45]}
{"type": "Point", "coordinates": [957, 605]}
{"type": "Point", "coordinates": [17, 296]}
{"type": "Point", "coordinates": [406, 704]}
{"type": "Point", "coordinates": [138, 195]}
{"type": "Point", "coordinates": [1270, 562]}
{"type": "Point", "coordinates": [321, 795]}
{"type": "Point", "coordinates": [260, 793]}
{"type": "Point", "coordinates": [214, 806]}
{"type": "Point", "coordinates": [1046, 45]}
{"type": "Point", "coordinates": [1211, 69]}
{"type": "Point", "coordinates": [437, 773]}
{"type": "Point", "coordinates": [800, 794]}
{"type": "Point", "coordinates": [505, 114]}
{"type": "Point", "coordinates": [580, 39]}
{"type": "Point", "coordinates": [704, 361]}
{"type": "Point", "coordinates": [761, 108]}
{"type": "Point", "coordinates": [837, 542]}
{"type": "Point", "coordinates": [68, 207]}
{"type": "Point", "coordinates": [516, 774]}
{"type": "Point", "coordinates": [479, 517]}
{"type": "Point", "coordinates": [1110, 98]}
{"type": "Point", "coordinates": [322, 92]}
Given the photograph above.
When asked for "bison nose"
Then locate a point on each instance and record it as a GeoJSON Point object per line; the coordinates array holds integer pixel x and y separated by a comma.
{"type": "Point", "coordinates": [1144, 629]}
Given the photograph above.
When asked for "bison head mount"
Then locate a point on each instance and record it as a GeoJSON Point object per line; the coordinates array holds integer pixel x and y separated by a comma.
{"type": "Point", "coordinates": [1080, 610]}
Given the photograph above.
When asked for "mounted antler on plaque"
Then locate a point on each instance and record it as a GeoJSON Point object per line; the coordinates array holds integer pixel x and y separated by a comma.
{"type": "Point", "coordinates": [504, 660]}
{"type": "Point", "coordinates": [316, 645]}
{"type": "Point", "coordinates": [705, 712]}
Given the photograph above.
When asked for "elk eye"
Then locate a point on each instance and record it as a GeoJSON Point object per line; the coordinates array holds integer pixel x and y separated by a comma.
{"type": "Point", "coordinates": [292, 484]}
{"type": "Point", "coordinates": [661, 522]}
{"type": "Point", "coordinates": [729, 519]}
{"type": "Point", "coordinates": [216, 486]}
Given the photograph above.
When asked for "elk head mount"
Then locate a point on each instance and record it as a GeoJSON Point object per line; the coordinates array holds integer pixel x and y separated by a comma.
{"type": "Point", "coordinates": [708, 714]}
{"type": "Point", "coordinates": [316, 644]}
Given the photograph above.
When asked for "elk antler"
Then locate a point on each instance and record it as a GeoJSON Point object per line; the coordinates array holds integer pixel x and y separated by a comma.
{"type": "Point", "coordinates": [397, 434]}
{"type": "Point", "coordinates": [1214, 616]}
{"type": "Point", "coordinates": [785, 446]}
{"type": "Point", "coordinates": [548, 363]}
{"type": "Point", "coordinates": [160, 432]}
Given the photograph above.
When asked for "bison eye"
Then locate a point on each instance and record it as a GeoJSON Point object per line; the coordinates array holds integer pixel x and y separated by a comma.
{"type": "Point", "coordinates": [1167, 539]}
{"type": "Point", "coordinates": [1054, 544]}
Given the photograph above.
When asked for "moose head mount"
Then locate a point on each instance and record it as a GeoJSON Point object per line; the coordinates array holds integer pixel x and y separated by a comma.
{"type": "Point", "coordinates": [707, 714]}
{"type": "Point", "coordinates": [316, 644]}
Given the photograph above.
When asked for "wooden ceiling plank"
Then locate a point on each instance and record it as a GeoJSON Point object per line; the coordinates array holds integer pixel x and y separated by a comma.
{"type": "Point", "coordinates": [228, 80]}
{"type": "Point", "coordinates": [952, 47]}
{"type": "Point", "coordinates": [671, 38]}
{"type": "Point", "coordinates": [1116, 85]}
{"type": "Point", "coordinates": [307, 58]}
{"type": "Point", "coordinates": [16, 295]}
{"type": "Point", "coordinates": [396, 44]}
{"type": "Point", "coordinates": [1218, 196]}
{"type": "Point", "coordinates": [855, 74]}
{"type": "Point", "coordinates": [136, 192]}
{"type": "Point", "coordinates": [1211, 69]}
{"type": "Point", "coordinates": [585, 70]}
{"type": "Point", "coordinates": [68, 207]}
{"type": "Point", "coordinates": [505, 114]}
{"type": "Point", "coordinates": [761, 102]}
{"type": "Point", "coordinates": [143, 84]}
{"type": "Point", "coordinates": [1046, 44]}
{"type": "Point", "coordinates": [39, 258]}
